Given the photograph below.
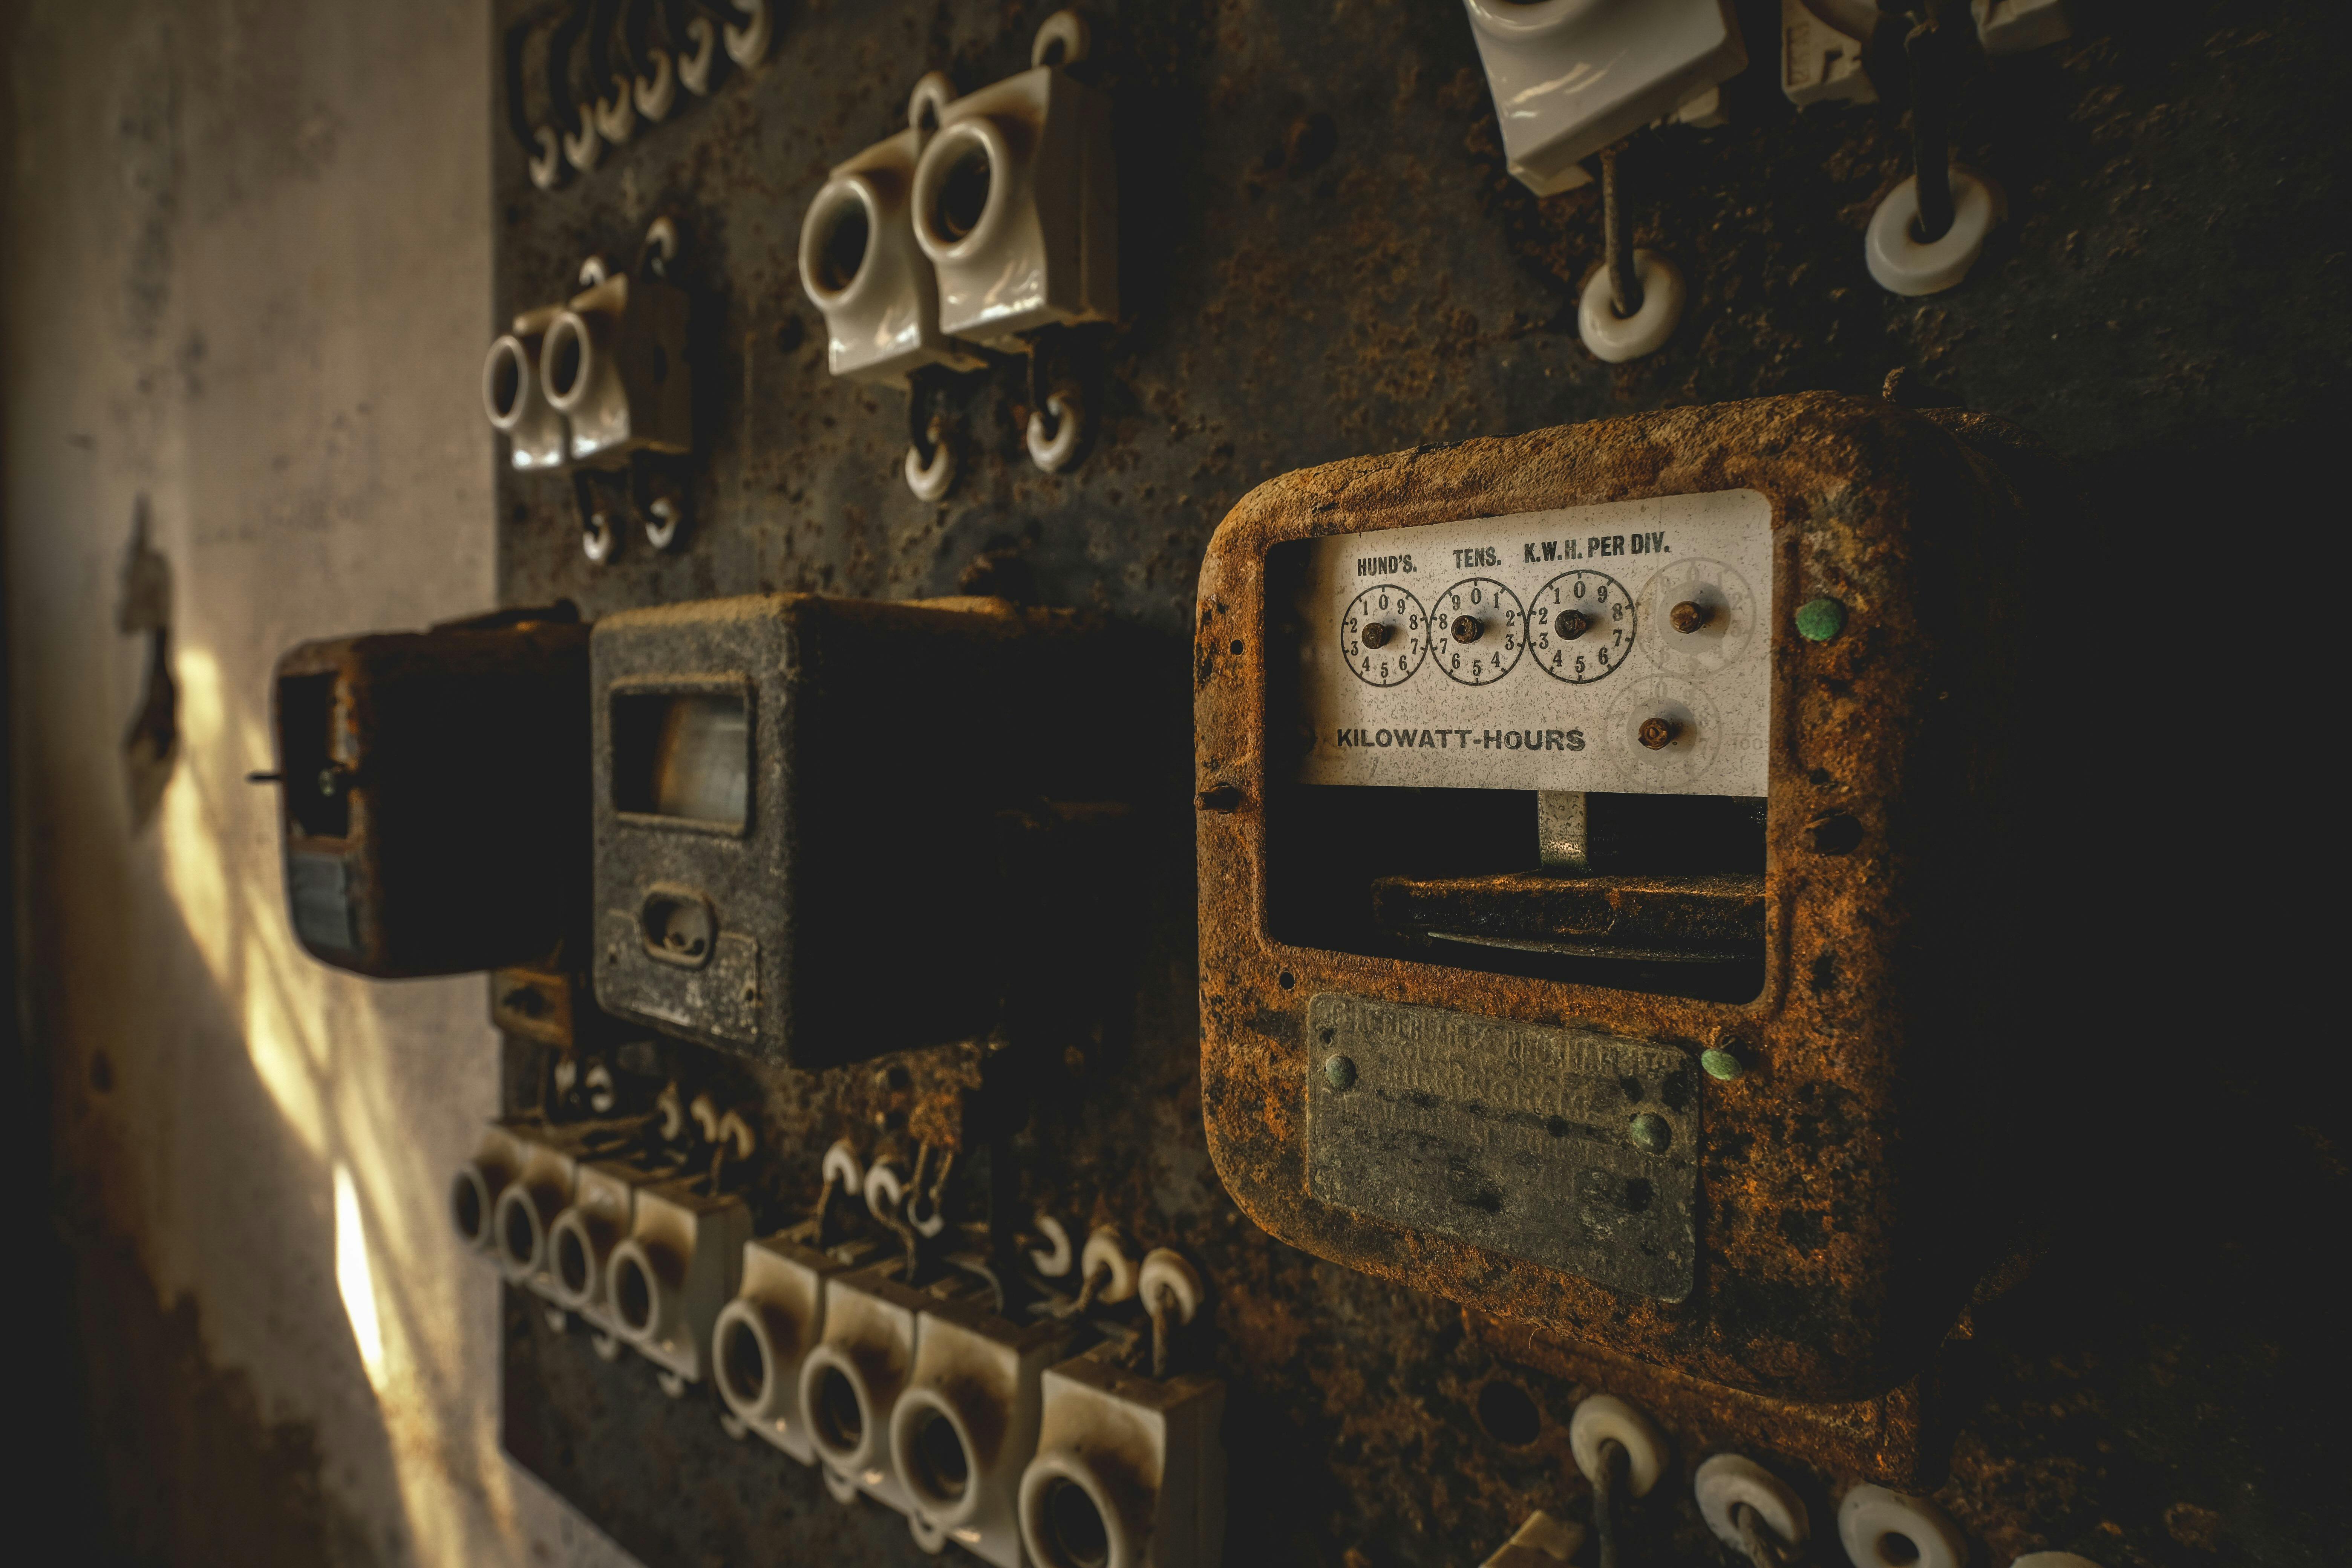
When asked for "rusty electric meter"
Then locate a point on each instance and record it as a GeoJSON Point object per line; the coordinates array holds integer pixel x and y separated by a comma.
{"type": "Point", "coordinates": [804, 812]}
{"type": "Point", "coordinates": [434, 794]}
{"type": "Point", "coordinates": [1600, 871]}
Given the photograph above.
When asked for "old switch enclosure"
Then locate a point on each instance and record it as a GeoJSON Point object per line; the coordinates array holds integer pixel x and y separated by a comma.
{"type": "Point", "coordinates": [432, 813]}
{"type": "Point", "coordinates": [1435, 1051]}
{"type": "Point", "coordinates": [801, 805]}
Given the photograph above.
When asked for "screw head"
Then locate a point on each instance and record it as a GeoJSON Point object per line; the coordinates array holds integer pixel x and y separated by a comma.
{"type": "Point", "coordinates": [1721, 1064]}
{"type": "Point", "coordinates": [1572, 624]}
{"type": "Point", "coordinates": [1339, 1072]}
{"type": "Point", "coordinates": [1688, 616]}
{"type": "Point", "coordinates": [1657, 733]}
{"type": "Point", "coordinates": [1468, 629]}
{"type": "Point", "coordinates": [1649, 1131]}
{"type": "Point", "coordinates": [1376, 634]}
{"type": "Point", "coordinates": [1818, 620]}
{"type": "Point", "coordinates": [330, 782]}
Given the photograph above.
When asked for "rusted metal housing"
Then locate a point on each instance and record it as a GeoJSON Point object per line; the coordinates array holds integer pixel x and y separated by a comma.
{"type": "Point", "coordinates": [871, 890]}
{"type": "Point", "coordinates": [431, 800]}
{"type": "Point", "coordinates": [1849, 1188]}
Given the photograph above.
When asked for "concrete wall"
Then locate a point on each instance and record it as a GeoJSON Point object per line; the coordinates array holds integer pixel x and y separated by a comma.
{"type": "Point", "coordinates": [247, 292]}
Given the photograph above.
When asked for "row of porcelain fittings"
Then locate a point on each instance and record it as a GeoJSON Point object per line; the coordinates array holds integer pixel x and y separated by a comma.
{"type": "Point", "coordinates": [638, 53]}
{"type": "Point", "coordinates": [1063, 1440]}
{"type": "Point", "coordinates": [1623, 1456]}
{"type": "Point", "coordinates": [980, 232]}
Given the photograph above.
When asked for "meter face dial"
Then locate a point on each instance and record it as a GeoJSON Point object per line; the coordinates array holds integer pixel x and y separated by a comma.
{"type": "Point", "coordinates": [1384, 635]}
{"type": "Point", "coordinates": [1478, 631]}
{"type": "Point", "coordinates": [1700, 614]}
{"type": "Point", "coordinates": [1582, 626]}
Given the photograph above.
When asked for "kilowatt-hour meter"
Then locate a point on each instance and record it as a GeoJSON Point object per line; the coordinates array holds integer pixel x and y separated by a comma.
{"type": "Point", "coordinates": [1601, 848]}
{"type": "Point", "coordinates": [811, 811]}
{"type": "Point", "coordinates": [435, 819]}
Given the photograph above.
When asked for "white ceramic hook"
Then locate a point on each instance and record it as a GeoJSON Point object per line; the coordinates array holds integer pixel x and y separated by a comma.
{"type": "Point", "coordinates": [1170, 1284]}
{"type": "Point", "coordinates": [1605, 1417]}
{"type": "Point", "coordinates": [593, 271]}
{"type": "Point", "coordinates": [662, 517]}
{"type": "Point", "coordinates": [931, 480]}
{"type": "Point", "coordinates": [598, 541]}
{"type": "Point", "coordinates": [1106, 1255]}
{"type": "Point", "coordinates": [1868, 1515]}
{"type": "Point", "coordinates": [602, 1093]}
{"type": "Point", "coordinates": [616, 117]}
{"type": "Point", "coordinates": [842, 1171]}
{"type": "Point", "coordinates": [1054, 454]}
{"type": "Point", "coordinates": [1053, 1259]}
{"type": "Point", "coordinates": [926, 105]}
{"type": "Point", "coordinates": [747, 45]}
{"type": "Point", "coordinates": [885, 1189]}
{"type": "Point", "coordinates": [1727, 1481]}
{"type": "Point", "coordinates": [705, 1111]}
{"type": "Point", "coordinates": [1615, 339]}
{"type": "Point", "coordinates": [694, 70]}
{"type": "Point", "coordinates": [734, 1129]}
{"type": "Point", "coordinates": [547, 163]}
{"type": "Point", "coordinates": [585, 150]}
{"type": "Point", "coordinates": [656, 98]}
{"type": "Point", "coordinates": [671, 1110]}
{"type": "Point", "coordinates": [1904, 263]}
{"type": "Point", "coordinates": [662, 244]}
{"type": "Point", "coordinates": [1069, 30]}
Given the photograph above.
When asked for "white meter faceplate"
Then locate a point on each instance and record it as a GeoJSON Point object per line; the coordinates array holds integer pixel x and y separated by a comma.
{"type": "Point", "coordinates": [1614, 648]}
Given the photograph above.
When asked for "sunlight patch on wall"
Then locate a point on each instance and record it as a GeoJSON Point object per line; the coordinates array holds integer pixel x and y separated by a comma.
{"type": "Point", "coordinates": [355, 1278]}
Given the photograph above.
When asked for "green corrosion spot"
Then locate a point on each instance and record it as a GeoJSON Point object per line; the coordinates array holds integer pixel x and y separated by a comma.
{"type": "Point", "coordinates": [1650, 1131]}
{"type": "Point", "coordinates": [1818, 620]}
{"type": "Point", "coordinates": [1339, 1072]}
{"type": "Point", "coordinates": [1721, 1064]}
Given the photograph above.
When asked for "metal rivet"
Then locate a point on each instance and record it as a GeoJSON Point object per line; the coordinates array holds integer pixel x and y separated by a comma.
{"type": "Point", "coordinates": [1376, 634]}
{"type": "Point", "coordinates": [1818, 620]}
{"type": "Point", "coordinates": [1688, 616]}
{"type": "Point", "coordinates": [1573, 624]}
{"type": "Point", "coordinates": [1649, 1132]}
{"type": "Point", "coordinates": [1657, 733]}
{"type": "Point", "coordinates": [1721, 1064]}
{"type": "Point", "coordinates": [1339, 1072]}
{"type": "Point", "coordinates": [1468, 629]}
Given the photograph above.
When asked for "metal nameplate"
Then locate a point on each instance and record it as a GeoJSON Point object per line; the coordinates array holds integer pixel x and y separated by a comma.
{"type": "Point", "coordinates": [1513, 1137]}
{"type": "Point", "coordinates": [1528, 652]}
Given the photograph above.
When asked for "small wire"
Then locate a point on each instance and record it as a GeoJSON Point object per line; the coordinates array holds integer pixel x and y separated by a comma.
{"type": "Point", "coordinates": [1604, 1501]}
{"type": "Point", "coordinates": [1931, 132]}
{"type": "Point", "coordinates": [1754, 1539]}
{"type": "Point", "coordinates": [1617, 239]}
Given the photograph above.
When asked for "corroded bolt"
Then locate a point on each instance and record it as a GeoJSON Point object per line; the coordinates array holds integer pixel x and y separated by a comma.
{"type": "Point", "coordinates": [1688, 616]}
{"type": "Point", "coordinates": [1376, 634]}
{"type": "Point", "coordinates": [1339, 1072]}
{"type": "Point", "coordinates": [1468, 629]}
{"type": "Point", "coordinates": [1721, 1064]}
{"type": "Point", "coordinates": [1658, 733]}
{"type": "Point", "coordinates": [1650, 1131]}
{"type": "Point", "coordinates": [1573, 624]}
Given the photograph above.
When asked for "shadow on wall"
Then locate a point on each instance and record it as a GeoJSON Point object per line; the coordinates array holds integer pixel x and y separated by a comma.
{"type": "Point", "coordinates": [152, 745]}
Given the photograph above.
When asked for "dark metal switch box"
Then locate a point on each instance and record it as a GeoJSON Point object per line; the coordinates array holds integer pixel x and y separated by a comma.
{"type": "Point", "coordinates": [433, 800]}
{"type": "Point", "coordinates": [799, 811]}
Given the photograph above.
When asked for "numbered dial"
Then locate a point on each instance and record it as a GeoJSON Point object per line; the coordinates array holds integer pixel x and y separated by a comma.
{"type": "Point", "coordinates": [1580, 627]}
{"type": "Point", "coordinates": [1477, 630]}
{"type": "Point", "coordinates": [1384, 635]}
{"type": "Point", "coordinates": [1701, 615]}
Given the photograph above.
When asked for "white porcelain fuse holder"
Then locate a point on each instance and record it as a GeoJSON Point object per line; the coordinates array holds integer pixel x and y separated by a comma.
{"type": "Point", "coordinates": [1903, 263]}
{"type": "Point", "coordinates": [1016, 200]}
{"type": "Point", "coordinates": [2015, 27]}
{"type": "Point", "coordinates": [475, 1190]}
{"type": "Point", "coordinates": [539, 438]}
{"type": "Point", "coordinates": [1571, 77]}
{"type": "Point", "coordinates": [966, 1426]}
{"type": "Point", "coordinates": [1726, 1483]}
{"type": "Point", "coordinates": [613, 363]}
{"type": "Point", "coordinates": [601, 1213]}
{"type": "Point", "coordinates": [851, 1381]}
{"type": "Point", "coordinates": [861, 266]}
{"type": "Point", "coordinates": [668, 1281]}
{"type": "Point", "coordinates": [764, 1335]}
{"type": "Point", "coordinates": [1821, 59]}
{"type": "Point", "coordinates": [1130, 1471]}
{"type": "Point", "coordinates": [527, 1208]}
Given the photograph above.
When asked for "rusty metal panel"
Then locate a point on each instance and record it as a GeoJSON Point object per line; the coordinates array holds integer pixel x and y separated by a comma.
{"type": "Point", "coordinates": [1510, 1138]}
